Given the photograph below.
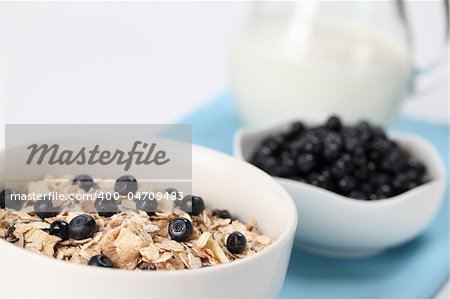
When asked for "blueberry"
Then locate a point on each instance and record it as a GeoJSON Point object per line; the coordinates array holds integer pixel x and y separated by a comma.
{"type": "Point", "coordinates": [411, 185]}
{"type": "Point", "coordinates": [297, 128]}
{"type": "Point", "coordinates": [393, 161]}
{"type": "Point", "coordinates": [273, 143]}
{"type": "Point", "coordinates": [312, 179]}
{"type": "Point", "coordinates": [146, 204]}
{"type": "Point", "coordinates": [82, 227]}
{"type": "Point", "coordinates": [416, 165]}
{"type": "Point", "coordinates": [60, 229]}
{"type": "Point", "coordinates": [174, 194]}
{"type": "Point", "coordinates": [309, 143]}
{"type": "Point", "coordinates": [347, 184]}
{"type": "Point", "coordinates": [363, 126]}
{"type": "Point", "coordinates": [193, 205]}
{"type": "Point", "coordinates": [172, 191]}
{"type": "Point", "coordinates": [357, 194]}
{"type": "Point", "coordinates": [101, 261]}
{"type": "Point", "coordinates": [340, 168]}
{"type": "Point", "coordinates": [288, 167]}
{"type": "Point", "coordinates": [305, 163]}
{"type": "Point", "coordinates": [10, 199]}
{"type": "Point", "coordinates": [106, 207]}
{"type": "Point", "coordinates": [400, 183]}
{"type": "Point", "coordinates": [271, 166]}
{"type": "Point", "coordinates": [333, 123]}
{"type": "Point", "coordinates": [352, 144]}
{"type": "Point", "coordinates": [373, 196]}
{"type": "Point", "coordinates": [180, 229]}
{"type": "Point", "coordinates": [413, 175]}
{"type": "Point", "coordinates": [332, 147]}
{"type": "Point", "coordinates": [126, 184]}
{"type": "Point", "coordinates": [384, 191]}
{"type": "Point", "coordinates": [236, 243]}
{"type": "Point", "coordinates": [44, 208]}
{"type": "Point", "coordinates": [366, 188]}
{"type": "Point", "coordinates": [83, 181]}
{"type": "Point", "coordinates": [224, 214]}
{"type": "Point", "coordinates": [2, 199]}
{"type": "Point", "coordinates": [378, 179]}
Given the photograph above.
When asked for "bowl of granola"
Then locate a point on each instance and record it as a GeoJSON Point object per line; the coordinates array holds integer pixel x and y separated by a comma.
{"type": "Point", "coordinates": [232, 236]}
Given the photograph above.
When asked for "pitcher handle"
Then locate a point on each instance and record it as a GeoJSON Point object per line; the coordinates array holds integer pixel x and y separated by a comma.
{"type": "Point", "coordinates": [421, 72]}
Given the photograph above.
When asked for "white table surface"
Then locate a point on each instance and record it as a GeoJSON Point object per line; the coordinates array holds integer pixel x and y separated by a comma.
{"type": "Point", "coordinates": [141, 62]}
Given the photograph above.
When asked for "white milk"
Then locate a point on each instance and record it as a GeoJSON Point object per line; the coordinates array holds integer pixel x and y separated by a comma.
{"type": "Point", "coordinates": [344, 68]}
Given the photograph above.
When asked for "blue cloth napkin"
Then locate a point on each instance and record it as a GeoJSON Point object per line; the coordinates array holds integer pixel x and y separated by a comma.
{"type": "Point", "coordinates": [417, 269]}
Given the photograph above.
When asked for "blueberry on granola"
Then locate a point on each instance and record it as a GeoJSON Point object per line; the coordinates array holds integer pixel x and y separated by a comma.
{"type": "Point", "coordinates": [146, 204]}
{"type": "Point", "coordinates": [101, 261]}
{"type": "Point", "coordinates": [83, 181]}
{"type": "Point", "coordinates": [236, 243]}
{"type": "Point", "coordinates": [44, 208]}
{"type": "Point", "coordinates": [106, 207]}
{"type": "Point", "coordinates": [125, 184]}
{"type": "Point", "coordinates": [192, 205]}
{"type": "Point", "coordinates": [82, 227]}
{"type": "Point", "coordinates": [60, 229]}
{"type": "Point", "coordinates": [180, 229]}
{"type": "Point", "coordinates": [2, 199]}
{"type": "Point", "coordinates": [8, 200]}
{"type": "Point", "coordinates": [224, 214]}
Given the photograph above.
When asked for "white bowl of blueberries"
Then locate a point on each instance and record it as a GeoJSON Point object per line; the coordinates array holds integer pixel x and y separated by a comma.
{"type": "Point", "coordinates": [358, 190]}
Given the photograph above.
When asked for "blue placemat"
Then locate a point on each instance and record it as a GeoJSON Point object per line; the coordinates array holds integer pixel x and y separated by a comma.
{"type": "Point", "coordinates": [417, 269]}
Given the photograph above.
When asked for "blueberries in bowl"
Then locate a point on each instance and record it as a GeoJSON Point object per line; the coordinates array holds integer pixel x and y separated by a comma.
{"type": "Point", "coordinates": [357, 161]}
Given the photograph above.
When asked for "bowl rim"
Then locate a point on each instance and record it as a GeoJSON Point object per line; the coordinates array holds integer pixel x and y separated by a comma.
{"type": "Point", "coordinates": [278, 125]}
{"type": "Point", "coordinates": [285, 237]}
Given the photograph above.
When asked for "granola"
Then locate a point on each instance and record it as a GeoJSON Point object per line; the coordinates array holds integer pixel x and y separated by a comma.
{"type": "Point", "coordinates": [169, 238]}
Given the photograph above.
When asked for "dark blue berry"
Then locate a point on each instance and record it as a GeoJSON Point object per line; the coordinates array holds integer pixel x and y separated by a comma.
{"type": "Point", "coordinates": [305, 163]}
{"type": "Point", "coordinates": [416, 165]}
{"type": "Point", "coordinates": [180, 229]}
{"type": "Point", "coordinates": [236, 243]}
{"type": "Point", "coordinates": [224, 214]}
{"type": "Point", "coordinates": [44, 208]}
{"type": "Point", "coordinates": [307, 144]}
{"type": "Point", "coordinates": [146, 204]}
{"type": "Point", "coordinates": [358, 194]}
{"type": "Point", "coordinates": [172, 191]}
{"type": "Point", "coordinates": [83, 181]}
{"type": "Point", "coordinates": [333, 123]}
{"type": "Point", "coordinates": [288, 166]}
{"type": "Point", "coordinates": [60, 229]}
{"type": "Point", "coordinates": [346, 184]}
{"type": "Point", "coordinates": [82, 227]}
{"type": "Point", "coordinates": [126, 184]}
{"type": "Point", "coordinates": [10, 199]}
{"type": "Point", "coordinates": [384, 191]}
{"type": "Point", "coordinates": [332, 147]}
{"type": "Point", "coordinates": [101, 261]}
{"type": "Point", "coordinates": [192, 205]}
{"type": "Point", "coordinates": [106, 207]}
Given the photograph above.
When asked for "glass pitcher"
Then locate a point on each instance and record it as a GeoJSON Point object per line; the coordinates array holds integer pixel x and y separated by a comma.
{"type": "Point", "coordinates": [309, 59]}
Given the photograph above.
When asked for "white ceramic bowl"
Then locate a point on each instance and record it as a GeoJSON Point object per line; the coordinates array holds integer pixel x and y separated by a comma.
{"type": "Point", "coordinates": [334, 225]}
{"type": "Point", "coordinates": [223, 182]}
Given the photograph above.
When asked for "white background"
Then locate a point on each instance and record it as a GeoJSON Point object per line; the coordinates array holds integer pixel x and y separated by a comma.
{"type": "Point", "coordinates": [143, 62]}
